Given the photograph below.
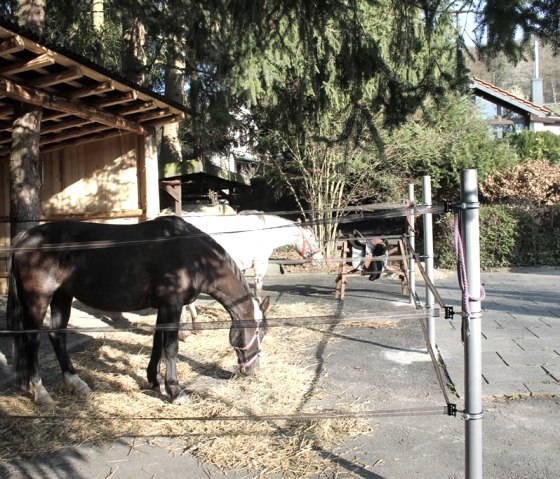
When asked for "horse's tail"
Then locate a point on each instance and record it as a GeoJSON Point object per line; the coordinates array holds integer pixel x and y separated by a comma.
{"type": "Point", "coordinates": [15, 318]}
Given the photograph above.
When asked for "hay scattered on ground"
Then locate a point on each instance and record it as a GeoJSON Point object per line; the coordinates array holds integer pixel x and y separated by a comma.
{"type": "Point", "coordinates": [114, 365]}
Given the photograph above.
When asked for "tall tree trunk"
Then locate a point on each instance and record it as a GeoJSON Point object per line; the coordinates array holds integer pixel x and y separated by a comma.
{"type": "Point", "coordinates": [134, 54]}
{"type": "Point", "coordinates": [25, 167]}
{"type": "Point", "coordinates": [174, 89]}
{"type": "Point", "coordinates": [98, 20]}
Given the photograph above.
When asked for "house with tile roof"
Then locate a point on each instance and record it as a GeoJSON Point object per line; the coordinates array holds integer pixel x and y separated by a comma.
{"type": "Point", "coordinates": [513, 112]}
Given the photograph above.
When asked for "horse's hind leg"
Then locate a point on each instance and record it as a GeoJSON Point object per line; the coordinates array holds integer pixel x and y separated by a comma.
{"type": "Point", "coordinates": [28, 377]}
{"type": "Point", "coordinates": [61, 305]}
{"type": "Point", "coordinates": [21, 316]}
{"type": "Point", "coordinates": [185, 335]}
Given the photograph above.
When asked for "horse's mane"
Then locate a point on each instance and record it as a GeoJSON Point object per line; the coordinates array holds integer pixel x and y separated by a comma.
{"type": "Point", "coordinates": [251, 212]}
{"type": "Point", "coordinates": [235, 268]}
{"type": "Point", "coordinates": [256, 213]}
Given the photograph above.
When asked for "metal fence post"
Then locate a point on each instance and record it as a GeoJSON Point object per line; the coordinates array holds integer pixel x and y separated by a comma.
{"type": "Point", "coordinates": [472, 319]}
{"type": "Point", "coordinates": [410, 234]}
{"type": "Point", "coordinates": [429, 257]}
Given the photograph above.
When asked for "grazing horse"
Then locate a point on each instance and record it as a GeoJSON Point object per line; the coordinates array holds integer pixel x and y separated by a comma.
{"type": "Point", "coordinates": [162, 264]}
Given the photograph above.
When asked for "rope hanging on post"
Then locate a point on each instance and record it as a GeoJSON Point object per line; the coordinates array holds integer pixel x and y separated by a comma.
{"type": "Point", "coordinates": [461, 270]}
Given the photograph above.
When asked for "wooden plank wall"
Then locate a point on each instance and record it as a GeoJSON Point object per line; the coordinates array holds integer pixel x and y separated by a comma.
{"type": "Point", "coordinates": [92, 178]}
{"type": "Point", "coordinates": [94, 181]}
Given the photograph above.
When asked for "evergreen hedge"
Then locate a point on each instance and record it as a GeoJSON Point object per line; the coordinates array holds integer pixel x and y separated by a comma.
{"type": "Point", "coordinates": [509, 236]}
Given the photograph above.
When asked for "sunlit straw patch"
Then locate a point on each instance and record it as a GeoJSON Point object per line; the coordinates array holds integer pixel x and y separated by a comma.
{"type": "Point", "coordinates": [114, 364]}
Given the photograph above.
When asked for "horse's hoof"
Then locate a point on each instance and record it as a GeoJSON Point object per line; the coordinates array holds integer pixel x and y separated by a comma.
{"type": "Point", "coordinates": [43, 399]}
{"type": "Point", "coordinates": [181, 399]}
{"type": "Point", "coordinates": [83, 391]}
{"type": "Point", "coordinates": [158, 388]}
{"type": "Point", "coordinates": [75, 385]}
{"type": "Point", "coordinates": [40, 395]}
{"type": "Point", "coordinates": [186, 336]}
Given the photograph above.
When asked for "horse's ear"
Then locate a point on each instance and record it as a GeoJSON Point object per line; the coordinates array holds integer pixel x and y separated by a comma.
{"type": "Point", "coordinates": [298, 220]}
{"type": "Point", "coordinates": [265, 303]}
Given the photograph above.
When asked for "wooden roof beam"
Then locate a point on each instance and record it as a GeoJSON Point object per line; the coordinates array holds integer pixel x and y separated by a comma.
{"type": "Point", "coordinates": [153, 115]}
{"type": "Point", "coordinates": [54, 116]}
{"type": "Point", "coordinates": [166, 120]}
{"type": "Point", "coordinates": [89, 91]}
{"type": "Point", "coordinates": [137, 108]}
{"type": "Point", "coordinates": [53, 102]}
{"type": "Point", "coordinates": [117, 100]}
{"type": "Point", "coordinates": [63, 125]}
{"type": "Point", "coordinates": [40, 61]}
{"type": "Point", "coordinates": [11, 45]}
{"type": "Point", "coordinates": [49, 80]}
{"type": "Point", "coordinates": [81, 132]}
{"type": "Point", "coordinates": [6, 111]}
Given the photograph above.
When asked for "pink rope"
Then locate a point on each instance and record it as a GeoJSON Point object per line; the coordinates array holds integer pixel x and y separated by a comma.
{"type": "Point", "coordinates": [461, 270]}
{"type": "Point", "coordinates": [409, 220]}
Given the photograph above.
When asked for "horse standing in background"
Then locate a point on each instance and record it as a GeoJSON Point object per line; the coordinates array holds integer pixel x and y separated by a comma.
{"type": "Point", "coordinates": [250, 238]}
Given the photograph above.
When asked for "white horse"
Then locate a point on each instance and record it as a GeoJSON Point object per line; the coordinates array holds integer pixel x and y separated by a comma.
{"type": "Point", "coordinates": [250, 237]}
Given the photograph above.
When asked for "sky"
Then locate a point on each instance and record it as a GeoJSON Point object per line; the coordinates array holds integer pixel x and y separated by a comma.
{"type": "Point", "coordinates": [467, 24]}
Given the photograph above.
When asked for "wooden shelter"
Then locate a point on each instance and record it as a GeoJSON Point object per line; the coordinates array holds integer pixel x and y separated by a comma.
{"type": "Point", "coordinates": [97, 147]}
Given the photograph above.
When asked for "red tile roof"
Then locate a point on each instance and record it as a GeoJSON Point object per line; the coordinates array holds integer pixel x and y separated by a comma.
{"type": "Point", "coordinates": [517, 101]}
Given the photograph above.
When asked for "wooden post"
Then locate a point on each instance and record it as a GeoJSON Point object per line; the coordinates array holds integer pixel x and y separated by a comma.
{"type": "Point", "coordinates": [148, 173]}
{"type": "Point", "coordinates": [341, 277]}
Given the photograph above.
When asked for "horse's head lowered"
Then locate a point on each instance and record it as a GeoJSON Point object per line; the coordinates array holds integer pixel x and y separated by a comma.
{"type": "Point", "coordinates": [307, 246]}
{"type": "Point", "coordinates": [246, 338]}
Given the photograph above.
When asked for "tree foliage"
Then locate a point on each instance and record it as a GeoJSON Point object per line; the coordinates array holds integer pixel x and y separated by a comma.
{"type": "Point", "coordinates": [387, 56]}
{"type": "Point", "coordinates": [536, 145]}
{"type": "Point", "coordinates": [440, 141]}
{"type": "Point", "coordinates": [507, 26]}
{"type": "Point", "coordinates": [330, 83]}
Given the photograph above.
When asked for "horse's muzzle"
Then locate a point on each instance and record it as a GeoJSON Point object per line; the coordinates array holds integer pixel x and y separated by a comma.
{"type": "Point", "coordinates": [317, 259]}
{"type": "Point", "coordinates": [250, 369]}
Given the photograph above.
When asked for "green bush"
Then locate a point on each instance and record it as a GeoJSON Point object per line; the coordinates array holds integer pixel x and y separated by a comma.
{"type": "Point", "coordinates": [536, 145]}
{"type": "Point", "coordinates": [444, 142]}
{"type": "Point", "coordinates": [509, 236]}
{"type": "Point", "coordinates": [538, 236]}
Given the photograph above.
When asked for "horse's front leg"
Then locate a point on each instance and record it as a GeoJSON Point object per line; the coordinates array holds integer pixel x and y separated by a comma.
{"type": "Point", "coordinates": [260, 271]}
{"type": "Point", "coordinates": [166, 342]}
{"type": "Point", "coordinates": [154, 377]}
{"type": "Point", "coordinates": [61, 305]}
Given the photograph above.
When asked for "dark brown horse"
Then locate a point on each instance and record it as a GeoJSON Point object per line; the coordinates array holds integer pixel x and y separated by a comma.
{"type": "Point", "coordinates": [163, 264]}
